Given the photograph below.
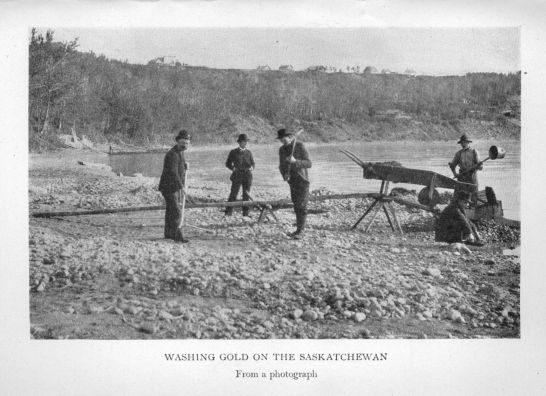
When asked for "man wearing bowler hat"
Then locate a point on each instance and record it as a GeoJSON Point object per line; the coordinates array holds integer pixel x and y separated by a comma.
{"type": "Point", "coordinates": [468, 161]}
{"type": "Point", "coordinates": [172, 183]}
{"type": "Point", "coordinates": [241, 164]}
{"type": "Point", "coordinates": [293, 164]}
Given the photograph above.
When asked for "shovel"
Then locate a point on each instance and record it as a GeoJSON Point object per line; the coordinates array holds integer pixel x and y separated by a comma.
{"type": "Point", "coordinates": [494, 153]}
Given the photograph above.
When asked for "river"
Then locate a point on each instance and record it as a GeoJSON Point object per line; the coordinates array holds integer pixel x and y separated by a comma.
{"type": "Point", "coordinates": [338, 173]}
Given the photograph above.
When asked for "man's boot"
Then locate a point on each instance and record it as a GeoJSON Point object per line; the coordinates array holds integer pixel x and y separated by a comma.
{"type": "Point", "coordinates": [300, 222]}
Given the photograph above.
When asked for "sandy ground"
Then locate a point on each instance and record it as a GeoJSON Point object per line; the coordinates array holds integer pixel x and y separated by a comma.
{"type": "Point", "coordinates": [115, 277]}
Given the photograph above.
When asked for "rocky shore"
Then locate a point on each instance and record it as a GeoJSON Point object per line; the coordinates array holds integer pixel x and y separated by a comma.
{"type": "Point", "coordinates": [114, 277]}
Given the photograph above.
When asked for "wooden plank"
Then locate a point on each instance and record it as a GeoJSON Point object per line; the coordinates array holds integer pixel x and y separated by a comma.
{"type": "Point", "coordinates": [275, 204]}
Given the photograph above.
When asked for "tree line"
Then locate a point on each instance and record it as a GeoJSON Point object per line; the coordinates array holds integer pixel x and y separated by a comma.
{"type": "Point", "coordinates": [110, 100]}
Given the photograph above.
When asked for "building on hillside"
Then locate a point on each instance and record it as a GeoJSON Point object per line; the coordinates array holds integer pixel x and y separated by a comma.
{"type": "Point", "coordinates": [166, 61]}
{"type": "Point", "coordinates": [410, 72]}
{"type": "Point", "coordinates": [370, 70]}
{"type": "Point", "coordinates": [263, 68]}
{"type": "Point", "coordinates": [317, 69]}
{"type": "Point", "coordinates": [286, 68]}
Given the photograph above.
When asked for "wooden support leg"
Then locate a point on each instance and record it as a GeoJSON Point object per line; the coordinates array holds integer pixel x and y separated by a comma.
{"type": "Point", "coordinates": [365, 214]}
{"type": "Point", "coordinates": [374, 216]}
{"type": "Point", "coordinates": [388, 216]}
{"type": "Point", "coordinates": [393, 211]}
{"type": "Point", "coordinates": [262, 212]}
{"type": "Point", "coordinates": [273, 214]}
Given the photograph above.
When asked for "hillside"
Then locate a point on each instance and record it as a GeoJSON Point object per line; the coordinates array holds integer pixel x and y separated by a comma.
{"type": "Point", "coordinates": [112, 101]}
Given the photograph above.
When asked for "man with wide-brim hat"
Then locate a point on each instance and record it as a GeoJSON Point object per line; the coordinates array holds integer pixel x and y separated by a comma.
{"type": "Point", "coordinates": [468, 161]}
{"type": "Point", "coordinates": [293, 164]}
{"type": "Point", "coordinates": [172, 185]}
{"type": "Point", "coordinates": [241, 163]}
{"type": "Point", "coordinates": [453, 225]}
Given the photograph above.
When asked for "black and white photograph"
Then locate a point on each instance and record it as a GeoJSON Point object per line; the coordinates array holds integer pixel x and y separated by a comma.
{"type": "Point", "coordinates": [274, 183]}
{"type": "Point", "coordinates": [278, 203]}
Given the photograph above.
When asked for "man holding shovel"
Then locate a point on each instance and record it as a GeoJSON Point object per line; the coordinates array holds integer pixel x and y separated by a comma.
{"type": "Point", "coordinates": [172, 184]}
{"type": "Point", "coordinates": [293, 163]}
{"type": "Point", "coordinates": [468, 161]}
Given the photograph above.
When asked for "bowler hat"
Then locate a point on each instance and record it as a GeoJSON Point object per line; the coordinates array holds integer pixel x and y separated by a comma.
{"type": "Point", "coordinates": [242, 138]}
{"type": "Point", "coordinates": [282, 133]}
{"type": "Point", "coordinates": [183, 134]}
{"type": "Point", "coordinates": [464, 138]}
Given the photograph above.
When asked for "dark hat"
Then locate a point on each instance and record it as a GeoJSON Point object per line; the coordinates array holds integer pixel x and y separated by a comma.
{"type": "Point", "coordinates": [282, 133]}
{"type": "Point", "coordinates": [183, 134]}
{"type": "Point", "coordinates": [242, 138]}
{"type": "Point", "coordinates": [465, 138]}
{"type": "Point", "coordinates": [463, 196]}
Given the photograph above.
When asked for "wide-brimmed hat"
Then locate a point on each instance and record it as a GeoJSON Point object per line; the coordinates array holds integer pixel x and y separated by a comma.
{"type": "Point", "coordinates": [465, 138]}
{"type": "Point", "coordinates": [183, 134]}
{"type": "Point", "coordinates": [283, 133]}
{"type": "Point", "coordinates": [242, 138]}
{"type": "Point", "coordinates": [464, 196]}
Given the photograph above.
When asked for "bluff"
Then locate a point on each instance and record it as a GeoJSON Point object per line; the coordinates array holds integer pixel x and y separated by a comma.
{"type": "Point", "coordinates": [113, 101]}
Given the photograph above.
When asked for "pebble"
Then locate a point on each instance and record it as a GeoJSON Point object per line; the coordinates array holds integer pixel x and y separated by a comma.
{"type": "Point", "coordinates": [93, 309]}
{"type": "Point", "coordinates": [365, 333]}
{"type": "Point", "coordinates": [427, 314]}
{"type": "Point", "coordinates": [359, 317]}
{"type": "Point", "coordinates": [297, 313]}
{"type": "Point", "coordinates": [133, 310]}
{"type": "Point", "coordinates": [435, 272]}
{"type": "Point", "coordinates": [456, 316]}
{"type": "Point", "coordinates": [148, 327]}
{"type": "Point", "coordinates": [460, 248]}
{"type": "Point", "coordinates": [309, 315]}
{"type": "Point", "coordinates": [165, 315]}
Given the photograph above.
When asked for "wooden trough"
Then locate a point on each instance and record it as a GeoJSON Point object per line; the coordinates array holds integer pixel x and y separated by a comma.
{"type": "Point", "coordinates": [389, 172]}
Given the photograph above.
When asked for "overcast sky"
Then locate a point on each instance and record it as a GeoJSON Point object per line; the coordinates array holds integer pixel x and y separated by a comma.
{"type": "Point", "coordinates": [437, 51]}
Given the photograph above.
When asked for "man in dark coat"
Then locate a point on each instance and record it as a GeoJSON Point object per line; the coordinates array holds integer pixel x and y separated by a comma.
{"type": "Point", "coordinates": [241, 163]}
{"type": "Point", "coordinates": [172, 184]}
{"type": "Point", "coordinates": [468, 161]}
{"type": "Point", "coordinates": [453, 225]}
{"type": "Point", "coordinates": [293, 164]}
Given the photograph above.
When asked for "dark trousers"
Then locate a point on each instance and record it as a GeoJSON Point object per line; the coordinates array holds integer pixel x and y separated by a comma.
{"type": "Point", "coordinates": [173, 215]}
{"type": "Point", "coordinates": [472, 178]}
{"type": "Point", "coordinates": [299, 193]}
{"type": "Point", "coordinates": [239, 180]}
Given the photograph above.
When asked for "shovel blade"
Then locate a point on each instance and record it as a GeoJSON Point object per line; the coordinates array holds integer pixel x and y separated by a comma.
{"type": "Point", "coordinates": [496, 152]}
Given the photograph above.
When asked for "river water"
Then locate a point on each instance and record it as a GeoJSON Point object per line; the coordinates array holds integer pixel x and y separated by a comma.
{"type": "Point", "coordinates": [333, 170]}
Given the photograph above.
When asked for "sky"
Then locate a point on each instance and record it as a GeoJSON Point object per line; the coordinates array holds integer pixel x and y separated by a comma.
{"type": "Point", "coordinates": [433, 51]}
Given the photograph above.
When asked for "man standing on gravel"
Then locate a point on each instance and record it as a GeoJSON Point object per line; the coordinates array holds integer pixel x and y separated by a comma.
{"type": "Point", "coordinates": [468, 160]}
{"type": "Point", "coordinates": [172, 184]}
{"type": "Point", "coordinates": [293, 163]}
{"type": "Point", "coordinates": [241, 163]}
{"type": "Point", "coordinates": [453, 226]}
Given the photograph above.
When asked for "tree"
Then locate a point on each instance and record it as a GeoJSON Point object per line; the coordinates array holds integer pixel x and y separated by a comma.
{"type": "Point", "coordinates": [51, 80]}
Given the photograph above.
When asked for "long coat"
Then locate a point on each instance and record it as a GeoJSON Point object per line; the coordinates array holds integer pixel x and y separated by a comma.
{"type": "Point", "coordinates": [173, 175]}
{"type": "Point", "coordinates": [298, 170]}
